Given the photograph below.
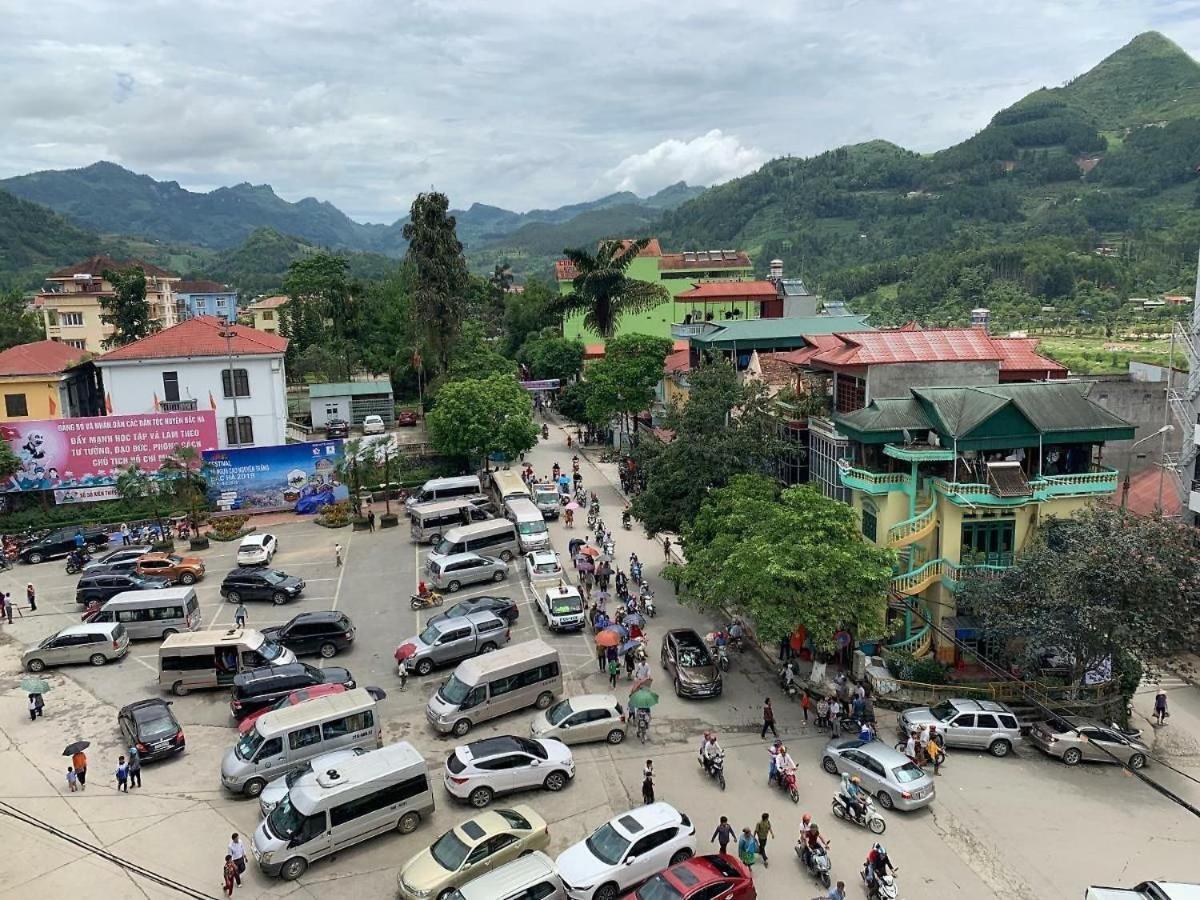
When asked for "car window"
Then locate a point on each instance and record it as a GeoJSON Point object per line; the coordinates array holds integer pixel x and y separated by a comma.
{"type": "Point", "coordinates": [651, 841]}
{"type": "Point", "coordinates": [986, 720]}
{"type": "Point", "coordinates": [539, 891]}
{"type": "Point", "coordinates": [456, 635]}
{"type": "Point", "coordinates": [305, 737]}
{"type": "Point", "coordinates": [712, 892]}
{"type": "Point", "coordinates": [512, 761]}
{"type": "Point", "coordinates": [1008, 721]}
{"type": "Point", "coordinates": [873, 765]}
{"type": "Point", "coordinates": [499, 842]}
{"type": "Point", "coordinates": [479, 854]}
{"type": "Point", "coordinates": [966, 720]}
{"type": "Point", "coordinates": [270, 748]}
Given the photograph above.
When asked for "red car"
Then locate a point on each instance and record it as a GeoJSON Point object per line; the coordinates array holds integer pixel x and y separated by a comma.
{"type": "Point", "coordinates": [309, 693]}
{"type": "Point", "coordinates": [699, 878]}
{"type": "Point", "coordinates": [406, 418]}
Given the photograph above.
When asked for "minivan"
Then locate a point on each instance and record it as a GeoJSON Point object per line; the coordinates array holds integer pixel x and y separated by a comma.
{"type": "Point", "coordinates": [283, 738]}
{"type": "Point", "coordinates": [532, 533]}
{"type": "Point", "coordinates": [324, 812]}
{"type": "Point", "coordinates": [531, 876]}
{"type": "Point", "coordinates": [445, 489]}
{"type": "Point", "coordinates": [496, 537]}
{"type": "Point", "coordinates": [153, 614]}
{"type": "Point", "coordinates": [94, 643]}
{"type": "Point", "coordinates": [484, 687]}
{"type": "Point", "coordinates": [431, 520]}
{"type": "Point", "coordinates": [206, 659]}
{"type": "Point", "coordinates": [504, 485]}
{"type": "Point", "coordinates": [449, 573]}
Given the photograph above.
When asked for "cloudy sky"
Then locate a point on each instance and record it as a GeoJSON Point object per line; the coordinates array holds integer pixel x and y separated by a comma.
{"type": "Point", "coordinates": [521, 103]}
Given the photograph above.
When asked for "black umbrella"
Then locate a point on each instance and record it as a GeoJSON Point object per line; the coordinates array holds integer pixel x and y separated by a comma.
{"type": "Point", "coordinates": [74, 748]}
{"type": "Point", "coordinates": [377, 693]}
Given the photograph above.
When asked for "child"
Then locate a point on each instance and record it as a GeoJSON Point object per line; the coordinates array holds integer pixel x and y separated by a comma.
{"type": "Point", "coordinates": [122, 775]}
{"type": "Point", "coordinates": [614, 669]}
{"type": "Point", "coordinates": [72, 779]}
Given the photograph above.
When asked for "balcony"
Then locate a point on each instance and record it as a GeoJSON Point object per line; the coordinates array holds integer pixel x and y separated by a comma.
{"type": "Point", "coordinates": [872, 482]}
{"type": "Point", "coordinates": [681, 331]}
{"type": "Point", "coordinates": [1099, 481]}
{"type": "Point", "coordinates": [177, 405]}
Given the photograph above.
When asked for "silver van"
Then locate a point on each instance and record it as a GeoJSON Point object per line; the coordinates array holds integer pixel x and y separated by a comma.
{"type": "Point", "coordinates": [283, 738]}
{"type": "Point", "coordinates": [484, 687]}
{"type": "Point", "coordinates": [193, 660]}
{"type": "Point", "coordinates": [495, 537]}
{"type": "Point", "coordinates": [153, 614]}
{"type": "Point", "coordinates": [431, 520]}
{"type": "Point", "coordinates": [532, 533]}
{"type": "Point", "coordinates": [531, 876]}
{"type": "Point", "coordinates": [449, 573]}
{"type": "Point", "coordinates": [88, 643]}
{"type": "Point", "coordinates": [460, 486]}
{"type": "Point", "coordinates": [328, 811]}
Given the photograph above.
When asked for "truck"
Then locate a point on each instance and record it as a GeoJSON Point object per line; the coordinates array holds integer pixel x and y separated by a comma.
{"type": "Point", "coordinates": [446, 641]}
{"type": "Point", "coordinates": [546, 499]}
{"type": "Point", "coordinates": [562, 607]}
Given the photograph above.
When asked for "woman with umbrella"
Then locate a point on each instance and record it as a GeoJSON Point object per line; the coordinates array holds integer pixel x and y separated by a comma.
{"type": "Point", "coordinates": [35, 688]}
{"type": "Point", "coordinates": [606, 640]}
{"type": "Point", "coordinates": [569, 514]}
{"type": "Point", "coordinates": [640, 701]}
{"type": "Point", "coordinates": [78, 760]}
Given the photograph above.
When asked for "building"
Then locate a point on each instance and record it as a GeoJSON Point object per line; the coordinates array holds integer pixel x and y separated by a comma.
{"type": "Point", "coordinates": [352, 401]}
{"type": "Point", "coordinates": [70, 302]}
{"type": "Point", "coordinates": [205, 364]}
{"type": "Point", "coordinates": [957, 480]}
{"type": "Point", "coordinates": [48, 380]}
{"type": "Point", "coordinates": [206, 298]}
{"type": "Point", "coordinates": [739, 339]}
{"type": "Point", "coordinates": [265, 313]}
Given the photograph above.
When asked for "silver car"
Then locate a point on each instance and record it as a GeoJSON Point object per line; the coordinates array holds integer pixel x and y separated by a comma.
{"type": "Point", "coordinates": [575, 720]}
{"type": "Point", "coordinates": [449, 573]}
{"type": "Point", "coordinates": [890, 776]}
{"type": "Point", "coordinates": [974, 724]}
{"type": "Point", "coordinates": [93, 642]}
{"type": "Point", "coordinates": [1074, 739]}
{"type": "Point", "coordinates": [446, 641]}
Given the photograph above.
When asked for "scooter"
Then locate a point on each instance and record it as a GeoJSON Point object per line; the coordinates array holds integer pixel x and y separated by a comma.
{"type": "Point", "coordinates": [817, 863]}
{"type": "Point", "coordinates": [545, 432]}
{"type": "Point", "coordinates": [646, 601]}
{"type": "Point", "coordinates": [786, 779]}
{"type": "Point", "coordinates": [626, 520]}
{"type": "Point", "coordinates": [722, 653]}
{"type": "Point", "coordinates": [869, 819]}
{"type": "Point", "coordinates": [716, 768]}
{"type": "Point", "coordinates": [77, 562]}
{"type": "Point", "coordinates": [882, 888]}
{"type": "Point", "coordinates": [429, 600]}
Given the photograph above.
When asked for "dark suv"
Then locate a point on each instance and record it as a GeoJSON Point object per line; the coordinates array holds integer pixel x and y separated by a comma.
{"type": "Point", "coordinates": [324, 631]}
{"type": "Point", "coordinates": [61, 542]}
{"type": "Point", "coordinates": [103, 585]}
{"type": "Point", "coordinates": [259, 688]}
{"type": "Point", "coordinates": [261, 584]}
{"type": "Point", "coordinates": [337, 428]}
{"type": "Point", "coordinates": [687, 658]}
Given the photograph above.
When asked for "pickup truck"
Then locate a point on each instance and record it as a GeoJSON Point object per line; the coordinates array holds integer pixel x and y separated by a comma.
{"type": "Point", "coordinates": [61, 542]}
{"type": "Point", "coordinates": [447, 641]}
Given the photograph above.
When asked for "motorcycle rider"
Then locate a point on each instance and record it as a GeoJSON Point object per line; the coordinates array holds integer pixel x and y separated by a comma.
{"type": "Point", "coordinates": [773, 753]}
{"type": "Point", "coordinates": [876, 867]}
{"type": "Point", "coordinates": [784, 765]}
{"type": "Point", "coordinates": [812, 840]}
{"type": "Point", "coordinates": [852, 790]}
{"type": "Point", "coordinates": [710, 751]}
{"type": "Point", "coordinates": [76, 559]}
{"type": "Point", "coordinates": [626, 513]}
{"type": "Point", "coordinates": [735, 633]}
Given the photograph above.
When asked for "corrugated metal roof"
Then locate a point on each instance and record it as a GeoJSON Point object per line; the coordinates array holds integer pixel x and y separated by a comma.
{"type": "Point", "coordinates": [887, 415]}
{"type": "Point", "coordinates": [349, 388]}
{"type": "Point", "coordinates": [737, 330]}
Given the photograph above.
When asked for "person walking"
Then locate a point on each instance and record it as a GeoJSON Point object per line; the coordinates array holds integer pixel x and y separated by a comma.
{"type": "Point", "coordinates": [126, 538]}
{"type": "Point", "coordinates": [135, 767]}
{"type": "Point", "coordinates": [837, 892]}
{"type": "Point", "coordinates": [648, 783]}
{"type": "Point", "coordinates": [229, 874]}
{"type": "Point", "coordinates": [79, 763]}
{"type": "Point", "coordinates": [768, 717]}
{"type": "Point", "coordinates": [122, 775]}
{"type": "Point", "coordinates": [614, 669]}
{"type": "Point", "coordinates": [72, 779]}
{"type": "Point", "coordinates": [33, 706]}
{"type": "Point", "coordinates": [237, 852]}
{"type": "Point", "coordinates": [805, 704]}
{"type": "Point", "coordinates": [723, 836]}
{"type": "Point", "coordinates": [602, 658]}
{"type": "Point", "coordinates": [239, 615]}
{"type": "Point", "coordinates": [9, 603]}
{"type": "Point", "coordinates": [763, 831]}
{"type": "Point", "coordinates": [1160, 699]}
{"type": "Point", "coordinates": [747, 848]}
{"type": "Point", "coordinates": [3, 605]}
{"type": "Point", "coordinates": [31, 596]}
{"type": "Point", "coordinates": [337, 561]}
{"type": "Point", "coordinates": [835, 717]}
{"type": "Point", "coordinates": [371, 520]}
{"type": "Point", "coordinates": [934, 749]}
{"type": "Point", "coordinates": [667, 549]}
{"type": "Point", "coordinates": [39, 703]}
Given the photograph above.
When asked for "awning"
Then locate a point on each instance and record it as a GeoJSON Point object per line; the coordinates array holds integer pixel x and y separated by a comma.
{"type": "Point", "coordinates": [965, 628]}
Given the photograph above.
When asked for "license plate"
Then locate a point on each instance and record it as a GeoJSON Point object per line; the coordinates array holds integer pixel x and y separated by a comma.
{"type": "Point", "coordinates": [161, 745]}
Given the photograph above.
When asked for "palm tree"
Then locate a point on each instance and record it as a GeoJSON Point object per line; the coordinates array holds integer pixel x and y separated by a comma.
{"type": "Point", "coordinates": [187, 465]}
{"type": "Point", "coordinates": [602, 292]}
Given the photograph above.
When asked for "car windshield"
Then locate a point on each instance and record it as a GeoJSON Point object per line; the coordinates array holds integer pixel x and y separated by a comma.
{"type": "Point", "coordinates": [296, 774]}
{"type": "Point", "coordinates": [558, 712]}
{"type": "Point", "coordinates": [270, 651]}
{"type": "Point", "coordinates": [690, 656]}
{"type": "Point", "coordinates": [285, 820]}
{"type": "Point", "coordinates": [443, 548]}
{"type": "Point", "coordinates": [533, 748]}
{"type": "Point", "coordinates": [274, 576]}
{"type": "Point", "coordinates": [943, 711]}
{"type": "Point", "coordinates": [155, 724]}
{"type": "Point", "coordinates": [658, 888]}
{"type": "Point", "coordinates": [532, 527]}
{"type": "Point", "coordinates": [454, 691]}
{"type": "Point", "coordinates": [449, 852]}
{"type": "Point", "coordinates": [175, 560]}
{"type": "Point", "coordinates": [430, 635]}
{"type": "Point", "coordinates": [561, 604]}
{"type": "Point", "coordinates": [906, 773]}
{"type": "Point", "coordinates": [607, 845]}
{"type": "Point", "coordinates": [248, 745]}
{"type": "Point", "coordinates": [546, 568]}
{"type": "Point", "coordinates": [547, 496]}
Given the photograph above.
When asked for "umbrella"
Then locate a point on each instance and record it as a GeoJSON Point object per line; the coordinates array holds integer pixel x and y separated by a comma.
{"type": "Point", "coordinates": [629, 645]}
{"type": "Point", "coordinates": [643, 698]}
{"type": "Point", "coordinates": [72, 749]}
{"type": "Point", "coordinates": [572, 506]}
{"type": "Point", "coordinates": [589, 551]}
{"type": "Point", "coordinates": [634, 619]}
{"type": "Point", "coordinates": [607, 638]}
{"type": "Point", "coordinates": [404, 651]}
{"type": "Point", "coordinates": [35, 686]}
{"type": "Point", "coordinates": [377, 693]}
{"type": "Point", "coordinates": [619, 630]}
{"type": "Point", "coordinates": [639, 684]}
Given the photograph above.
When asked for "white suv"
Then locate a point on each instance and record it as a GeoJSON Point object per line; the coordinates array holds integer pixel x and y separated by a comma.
{"type": "Point", "coordinates": [256, 549]}
{"type": "Point", "coordinates": [478, 771]}
{"type": "Point", "coordinates": [625, 851]}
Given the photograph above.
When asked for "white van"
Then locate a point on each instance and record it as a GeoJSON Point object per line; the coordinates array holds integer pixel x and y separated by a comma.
{"type": "Point", "coordinates": [495, 537]}
{"type": "Point", "coordinates": [324, 812]}
{"type": "Point", "coordinates": [445, 489]}
{"type": "Point", "coordinates": [431, 520]}
{"type": "Point", "coordinates": [283, 738]}
{"type": "Point", "coordinates": [531, 876]}
{"type": "Point", "coordinates": [487, 686]}
{"type": "Point", "coordinates": [505, 484]}
{"type": "Point", "coordinates": [206, 659]}
{"type": "Point", "coordinates": [153, 614]}
{"type": "Point", "coordinates": [532, 533]}
{"type": "Point", "coordinates": [562, 607]}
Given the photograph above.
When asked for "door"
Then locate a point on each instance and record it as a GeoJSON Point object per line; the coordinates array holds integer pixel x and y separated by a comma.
{"type": "Point", "coordinates": [155, 566]}
{"type": "Point", "coordinates": [474, 570]}
{"type": "Point", "coordinates": [1101, 745]}
{"type": "Point", "coordinates": [961, 731]}
{"type": "Point", "coordinates": [270, 755]}
{"type": "Point", "coordinates": [84, 645]}
{"type": "Point", "coordinates": [645, 858]}
{"type": "Point", "coordinates": [503, 772]}
{"type": "Point", "coordinates": [453, 645]}
{"type": "Point", "coordinates": [986, 726]}
{"type": "Point", "coordinates": [501, 849]}
{"type": "Point", "coordinates": [314, 839]}
{"type": "Point", "coordinates": [302, 638]}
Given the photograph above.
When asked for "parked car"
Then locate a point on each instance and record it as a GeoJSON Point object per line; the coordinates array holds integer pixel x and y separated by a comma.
{"type": "Point", "coordinates": [60, 542]}
{"type": "Point", "coordinates": [561, 607]}
{"type": "Point", "coordinates": [975, 724]}
{"type": "Point", "coordinates": [471, 848]}
{"type": "Point", "coordinates": [625, 851]}
{"type": "Point", "coordinates": [894, 779]}
{"type": "Point", "coordinates": [123, 559]}
{"type": "Point", "coordinates": [300, 696]}
{"type": "Point", "coordinates": [1076, 739]}
{"type": "Point", "coordinates": [176, 569]}
{"type": "Point", "coordinates": [505, 607]}
{"type": "Point", "coordinates": [265, 686]}
{"type": "Point", "coordinates": [478, 771]}
{"type": "Point", "coordinates": [324, 631]}
{"type": "Point", "coordinates": [543, 565]}
{"type": "Point", "coordinates": [278, 789]}
{"type": "Point", "coordinates": [450, 640]}
{"type": "Point", "coordinates": [100, 585]}
{"type": "Point", "coordinates": [261, 584]}
{"type": "Point", "coordinates": [337, 428]}
{"type": "Point", "coordinates": [692, 667]}
{"type": "Point", "coordinates": [406, 418]}
{"type": "Point", "coordinates": [257, 549]}
{"type": "Point", "coordinates": [450, 573]}
{"type": "Point", "coordinates": [576, 720]}
{"type": "Point", "coordinates": [151, 727]}
{"type": "Point", "coordinates": [373, 425]}
{"type": "Point", "coordinates": [713, 877]}
{"type": "Point", "coordinates": [92, 642]}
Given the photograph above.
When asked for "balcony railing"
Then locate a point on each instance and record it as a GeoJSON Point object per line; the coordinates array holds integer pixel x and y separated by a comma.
{"type": "Point", "coordinates": [872, 482]}
{"type": "Point", "coordinates": [177, 405]}
{"type": "Point", "coordinates": [691, 329]}
{"type": "Point", "coordinates": [1100, 480]}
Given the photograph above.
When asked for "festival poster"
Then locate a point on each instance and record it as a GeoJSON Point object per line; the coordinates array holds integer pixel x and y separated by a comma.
{"type": "Point", "coordinates": [302, 477]}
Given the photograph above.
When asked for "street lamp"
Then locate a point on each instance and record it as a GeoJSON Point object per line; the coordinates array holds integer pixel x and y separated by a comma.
{"type": "Point", "coordinates": [1125, 485]}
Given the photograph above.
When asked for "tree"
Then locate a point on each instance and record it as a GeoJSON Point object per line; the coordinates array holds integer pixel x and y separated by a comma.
{"type": "Point", "coordinates": [601, 290]}
{"type": "Point", "coordinates": [439, 273]}
{"type": "Point", "coordinates": [573, 402]}
{"type": "Point", "coordinates": [623, 382]}
{"type": "Point", "coordinates": [785, 559]}
{"type": "Point", "coordinates": [548, 354]}
{"type": "Point", "coordinates": [476, 417]}
{"type": "Point", "coordinates": [474, 357]}
{"type": "Point", "coordinates": [135, 483]}
{"type": "Point", "coordinates": [127, 310]}
{"type": "Point", "coordinates": [323, 309]}
{"type": "Point", "coordinates": [187, 467]}
{"type": "Point", "coordinates": [18, 324]}
{"type": "Point", "coordinates": [527, 313]}
{"type": "Point", "coordinates": [10, 463]}
{"type": "Point", "coordinates": [1092, 588]}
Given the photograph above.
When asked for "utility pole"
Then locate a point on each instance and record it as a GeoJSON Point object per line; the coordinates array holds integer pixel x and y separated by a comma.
{"type": "Point", "coordinates": [228, 334]}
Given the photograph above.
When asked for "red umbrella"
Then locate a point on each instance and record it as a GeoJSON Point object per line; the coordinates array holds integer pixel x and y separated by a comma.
{"type": "Point", "coordinates": [404, 651]}
{"type": "Point", "coordinates": [589, 551]}
{"type": "Point", "coordinates": [608, 639]}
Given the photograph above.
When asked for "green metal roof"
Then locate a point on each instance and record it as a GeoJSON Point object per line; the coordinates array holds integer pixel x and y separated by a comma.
{"type": "Point", "coordinates": [349, 388]}
{"type": "Point", "coordinates": [752, 334]}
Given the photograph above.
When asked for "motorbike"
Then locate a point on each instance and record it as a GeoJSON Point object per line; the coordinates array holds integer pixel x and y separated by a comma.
{"type": "Point", "coordinates": [786, 780]}
{"type": "Point", "coordinates": [593, 518]}
{"type": "Point", "coordinates": [425, 602]}
{"type": "Point", "coordinates": [716, 768]}
{"type": "Point", "coordinates": [869, 819]}
{"type": "Point", "coordinates": [788, 680]}
{"type": "Point", "coordinates": [608, 545]}
{"type": "Point", "coordinates": [817, 863]}
{"type": "Point", "coordinates": [722, 654]}
{"type": "Point", "coordinates": [643, 724]}
{"type": "Point", "coordinates": [545, 432]}
{"type": "Point", "coordinates": [76, 562]}
{"type": "Point", "coordinates": [882, 888]}
{"type": "Point", "coordinates": [626, 520]}
{"type": "Point", "coordinates": [646, 601]}
{"type": "Point", "coordinates": [635, 572]}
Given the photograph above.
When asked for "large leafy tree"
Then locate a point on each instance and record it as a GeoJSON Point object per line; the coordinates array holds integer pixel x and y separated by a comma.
{"type": "Point", "coordinates": [324, 309]}
{"type": "Point", "coordinates": [785, 559]}
{"type": "Point", "coordinates": [548, 354]}
{"type": "Point", "coordinates": [476, 417]}
{"type": "Point", "coordinates": [439, 272]}
{"type": "Point", "coordinates": [475, 357]}
{"type": "Point", "coordinates": [127, 310]}
{"type": "Point", "coordinates": [602, 291]}
{"type": "Point", "coordinates": [18, 325]}
{"type": "Point", "coordinates": [527, 313]}
{"type": "Point", "coordinates": [135, 483]}
{"type": "Point", "coordinates": [623, 382]}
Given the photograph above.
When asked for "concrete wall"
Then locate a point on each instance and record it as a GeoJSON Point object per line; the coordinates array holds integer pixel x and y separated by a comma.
{"type": "Point", "coordinates": [897, 380]}
{"type": "Point", "coordinates": [323, 409]}
{"type": "Point", "coordinates": [1139, 403]}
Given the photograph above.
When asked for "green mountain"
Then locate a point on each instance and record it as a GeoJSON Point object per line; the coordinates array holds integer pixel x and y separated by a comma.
{"type": "Point", "coordinates": [33, 240]}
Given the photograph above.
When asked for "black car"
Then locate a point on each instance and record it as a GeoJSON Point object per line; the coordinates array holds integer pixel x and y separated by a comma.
{"type": "Point", "coordinates": [102, 585]}
{"type": "Point", "coordinates": [61, 542]}
{"type": "Point", "coordinates": [505, 607]}
{"type": "Point", "coordinates": [259, 688]}
{"type": "Point", "coordinates": [261, 584]}
{"type": "Point", "coordinates": [324, 631]}
{"type": "Point", "coordinates": [337, 428]}
{"type": "Point", "coordinates": [150, 726]}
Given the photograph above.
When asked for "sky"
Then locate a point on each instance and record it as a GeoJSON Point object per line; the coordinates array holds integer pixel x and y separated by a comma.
{"type": "Point", "coordinates": [522, 103]}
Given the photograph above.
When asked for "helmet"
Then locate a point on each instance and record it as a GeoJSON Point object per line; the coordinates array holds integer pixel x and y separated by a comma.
{"type": "Point", "coordinates": [879, 849]}
{"type": "Point", "coordinates": [855, 779]}
{"type": "Point", "coordinates": [806, 820]}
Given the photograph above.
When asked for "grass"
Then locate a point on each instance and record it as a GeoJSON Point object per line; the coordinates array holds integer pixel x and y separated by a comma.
{"type": "Point", "coordinates": [1098, 355]}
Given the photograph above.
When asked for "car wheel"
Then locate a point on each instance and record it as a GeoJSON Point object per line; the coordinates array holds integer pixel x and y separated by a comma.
{"type": "Point", "coordinates": [167, 632]}
{"type": "Point", "coordinates": [1137, 761]}
{"type": "Point", "coordinates": [487, 648]}
{"type": "Point", "coordinates": [328, 650]}
{"type": "Point", "coordinates": [435, 539]}
{"type": "Point", "coordinates": [293, 869]}
{"type": "Point", "coordinates": [254, 787]}
{"type": "Point", "coordinates": [829, 765]}
{"type": "Point", "coordinates": [279, 598]}
{"type": "Point", "coordinates": [97, 659]}
{"type": "Point", "coordinates": [187, 578]}
{"type": "Point", "coordinates": [1072, 756]}
{"type": "Point", "coordinates": [615, 736]}
{"type": "Point", "coordinates": [545, 698]}
{"type": "Point", "coordinates": [606, 892]}
{"type": "Point", "coordinates": [680, 855]}
{"type": "Point", "coordinates": [678, 688]}
{"type": "Point", "coordinates": [461, 727]}
{"type": "Point", "coordinates": [233, 597]}
{"type": "Point", "coordinates": [499, 576]}
{"type": "Point", "coordinates": [885, 800]}
{"type": "Point", "coordinates": [506, 555]}
{"type": "Point", "coordinates": [480, 797]}
{"type": "Point", "coordinates": [35, 558]}
{"type": "Point", "coordinates": [409, 822]}
{"type": "Point", "coordinates": [424, 667]}
{"type": "Point", "coordinates": [454, 587]}
{"type": "Point", "coordinates": [999, 748]}
{"type": "Point", "coordinates": [35, 665]}
{"type": "Point", "coordinates": [555, 781]}
{"type": "Point", "coordinates": [178, 689]}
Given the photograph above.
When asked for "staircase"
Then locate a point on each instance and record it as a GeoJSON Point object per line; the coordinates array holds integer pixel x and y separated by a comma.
{"type": "Point", "coordinates": [914, 529]}
{"type": "Point", "coordinates": [1183, 403]}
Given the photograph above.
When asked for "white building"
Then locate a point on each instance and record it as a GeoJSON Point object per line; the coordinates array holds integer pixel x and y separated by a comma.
{"type": "Point", "coordinates": [204, 364]}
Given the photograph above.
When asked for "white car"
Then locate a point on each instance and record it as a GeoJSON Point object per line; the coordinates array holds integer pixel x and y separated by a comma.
{"type": "Point", "coordinates": [256, 549]}
{"type": "Point", "coordinates": [625, 851]}
{"type": "Point", "coordinates": [542, 565]}
{"type": "Point", "coordinates": [482, 769]}
{"type": "Point", "coordinates": [276, 790]}
{"type": "Point", "coordinates": [373, 425]}
{"type": "Point", "coordinates": [576, 720]}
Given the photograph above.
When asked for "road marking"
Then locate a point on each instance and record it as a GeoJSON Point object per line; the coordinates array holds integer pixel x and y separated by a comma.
{"type": "Point", "coordinates": [337, 591]}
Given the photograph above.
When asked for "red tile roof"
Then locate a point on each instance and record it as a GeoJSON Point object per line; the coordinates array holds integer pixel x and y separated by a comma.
{"type": "Point", "coordinates": [201, 287]}
{"type": "Point", "coordinates": [201, 336]}
{"type": "Point", "coordinates": [270, 302]}
{"type": "Point", "coordinates": [776, 369]}
{"type": "Point", "coordinates": [678, 363]}
{"type": "Point", "coordinates": [1143, 494]}
{"type": "Point", "coordinates": [39, 358]}
{"type": "Point", "coordinates": [95, 265]}
{"type": "Point", "coordinates": [1020, 355]}
{"type": "Point", "coordinates": [703, 259]}
{"type": "Point", "coordinates": [731, 290]}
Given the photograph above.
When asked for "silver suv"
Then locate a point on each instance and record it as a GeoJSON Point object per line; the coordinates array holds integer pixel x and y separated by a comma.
{"type": "Point", "coordinates": [449, 573]}
{"type": "Point", "coordinates": [974, 724]}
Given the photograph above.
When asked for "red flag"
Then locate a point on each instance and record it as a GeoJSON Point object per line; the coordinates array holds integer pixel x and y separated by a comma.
{"type": "Point", "coordinates": [53, 403]}
{"type": "Point", "coordinates": [108, 404]}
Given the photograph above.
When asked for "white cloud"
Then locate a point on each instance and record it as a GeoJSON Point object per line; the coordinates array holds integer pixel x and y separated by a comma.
{"type": "Point", "coordinates": [708, 159]}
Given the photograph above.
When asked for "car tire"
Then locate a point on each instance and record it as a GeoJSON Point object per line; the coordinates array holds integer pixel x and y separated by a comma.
{"type": "Point", "coordinates": [999, 748]}
{"type": "Point", "coordinates": [500, 576]}
{"type": "Point", "coordinates": [885, 800]}
{"type": "Point", "coordinates": [97, 659]}
{"type": "Point", "coordinates": [454, 587]}
{"type": "Point", "coordinates": [680, 855]}
{"type": "Point", "coordinates": [1137, 761]}
{"type": "Point", "coordinates": [555, 782]}
{"type": "Point", "coordinates": [167, 632]}
{"type": "Point", "coordinates": [461, 727]}
{"type": "Point", "coordinates": [545, 698]}
{"type": "Point", "coordinates": [615, 736]}
{"type": "Point", "coordinates": [34, 558]}
{"type": "Point", "coordinates": [435, 539]}
{"type": "Point", "coordinates": [424, 667]}
{"type": "Point", "coordinates": [178, 689]}
{"type": "Point", "coordinates": [606, 892]}
{"type": "Point", "coordinates": [487, 648]}
{"type": "Point", "coordinates": [1072, 756]}
{"type": "Point", "coordinates": [187, 578]}
{"type": "Point", "coordinates": [409, 822]}
{"type": "Point", "coordinates": [480, 797]}
{"type": "Point", "coordinates": [328, 650]}
{"type": "Point", "coordinates": [293, 869]}
{"type": "Point", "coordinates": [35, 665]}
{"type": "Point", "coordinates": [233, 597]}
{"type": "Point", "coordinates": [506, 555]}
{"type": "Point", "coordinates": [279, 598]}
{"type": "Point", "coordinates": [829, 765]}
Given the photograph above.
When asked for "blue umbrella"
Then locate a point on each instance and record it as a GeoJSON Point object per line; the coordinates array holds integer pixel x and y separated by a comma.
{"type": "Point", "coordinates": [634, 619]}
{"type": "Point", "coordinates": [620, 630]}
{"type": "Point", "coordinates": [627, 646]}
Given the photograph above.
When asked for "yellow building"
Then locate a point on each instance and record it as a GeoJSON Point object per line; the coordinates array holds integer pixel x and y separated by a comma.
{"type": "Point", "coordinates": [958, 480]}
{"type": "Point", "coordinates": [47, 380]}
{"type": "Point", "coordinates": [265, 313]}
{"type": "Point", "coordinates": [70, 304]}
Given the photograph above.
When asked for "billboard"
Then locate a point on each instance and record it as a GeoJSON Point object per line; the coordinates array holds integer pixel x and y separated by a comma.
{"type": "Point", "coordinates": [302, 477]}
{"type": "Point", "coordinates": [61, 454]}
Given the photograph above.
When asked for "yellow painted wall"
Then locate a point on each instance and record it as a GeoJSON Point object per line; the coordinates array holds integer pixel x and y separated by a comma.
{"type": "Point", "coordinates": [37, 391]}
{"type": "Point", "coordinates": [263, 323]}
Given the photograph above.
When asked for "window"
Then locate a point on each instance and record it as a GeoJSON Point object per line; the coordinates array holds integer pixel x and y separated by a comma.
{"type": "Point", "coordinates": [239, 430]}
{"type": "Point", "coordinates": [870, 522]}
{"type": "Point", "coordinates": [72, 319]}
{"type": "Point", "coordinates": [77, 344]}
{"type": "Point", "coordinates": [342, 727]}
{"type": "Point", "coordinates": [650, 842]}
{"type": "Point", "coordinates": [332, 411]}
{"type": "Point", "coordinates": [504, 685]}
{"type": "Point", "coordinates": [15, 405]}
{"type": "Point", "coordinates": [170, 386]}
{"type": "Point", "coordinates": [456, 635]}
{"type": "Point", "coordinates": [474, 698]}
{"type": "Point", "coordinates": [200, 306]}
{"type": "Point", "coordinates": [850, 393]}
{"type": "Point", "coordinates": [396, 793]}
{"type": "Point", "coordinates": [966, 720]}
{"type": "Point", "coordinates": [305, 737]}
{"type": "Point", "coordinates": [268, 315]}
{"type": "Point", "coordinates": [987, 542]}
{"type": "Point", "coordinates": [273, 747]}
{"type": "Point", "coordinates": [235, 382]}
{"type": "Point", "coordinates": [986, 720]}
{"type": "Point", "coordinates": [186, 663]}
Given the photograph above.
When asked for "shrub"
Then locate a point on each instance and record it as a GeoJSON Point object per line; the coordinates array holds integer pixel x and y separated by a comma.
{"type": "Point", "coordinates": [335, 515]}
{"type": "Point", "coordinates": [228, 528]}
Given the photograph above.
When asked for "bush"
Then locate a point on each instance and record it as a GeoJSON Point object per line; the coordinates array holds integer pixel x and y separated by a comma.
{"type": "Point", "coordinates": [335, 515]}
{"type": "Point", "coordinates": [228, 528]}
{"type": "Point", "coordinates": [102, 513]}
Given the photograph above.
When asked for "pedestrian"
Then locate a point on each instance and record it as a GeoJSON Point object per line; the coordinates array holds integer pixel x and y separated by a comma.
{"type": "Point", "coordinates": [237, 852]}
{"type": "Point", "coordinates": [122, 775]}
{"type": "Point", "coordinates": [934, 749]}
{"type": "Point", "coordinates": [762, 831]}
{"type": "Point", "coordinates": [1160, 699]}
{"type": "Point", "coordinates": [641, 672]}
{"type": "Point", "coordinates": [239, 615]}
{"type": "Point", "coordinates": [837, 892]}
{"type": "Point", "coordinates": [39, 704]}
{"type": "Point", "coordinates": [723, 836]}
{"type": "Point", "coordinates": [337, 561]}
{"type": "Point", "coordinates": [79, 541]}
{"type": "Point", "coordinates": [72, 779]}
{"type": "Point", "coordinates": [910, 747]}
{"type": "Point", "coordinates": [8, 607]}
{"type": "Point", "coordinates": [3, 605]}
{"type": "Point", "coordinates": [747, 848]}
{"type": "Point", "coordinates": [667, 549]}
{"type": "Point", "coordinates": [126, 539]}
{"type": "Point", "coordinates": [229, 873]}
{"type": "Point", "coordinates": [371, 519]}
{"type": "Point", "coordinates": [403, 677]}
{"type": "Point", "coordinates": [805, 704]}
{"type": "Point", "coordinates": [569, 517]}
{"type": "Point", "coordinates": [31, 596]}
{"type": "Point", "coordinates": [835, 717]}
{"type": "Point", "coordinates": [79, 763]}
{"type": "Point", "coordinates": [135, 767]}
{"type": "Point", "coordinates": [33, 707]}
{"type": "Point", "coordinates": [629, 664]}
{"type": "Point", "coordinates": [768, 716]}
{"type": "Point", "coordinates": [648, 783]}
{"type": "Point", "coordinates": [822, 713]}
{"type": "Point", "coordinates": [602, 658]}
{"type": "Point", "coordinates": [614, 669]}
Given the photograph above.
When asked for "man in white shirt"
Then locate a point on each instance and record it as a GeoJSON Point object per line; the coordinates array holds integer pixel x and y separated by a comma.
{"type": "Point", "coordinates": [238, 852]}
